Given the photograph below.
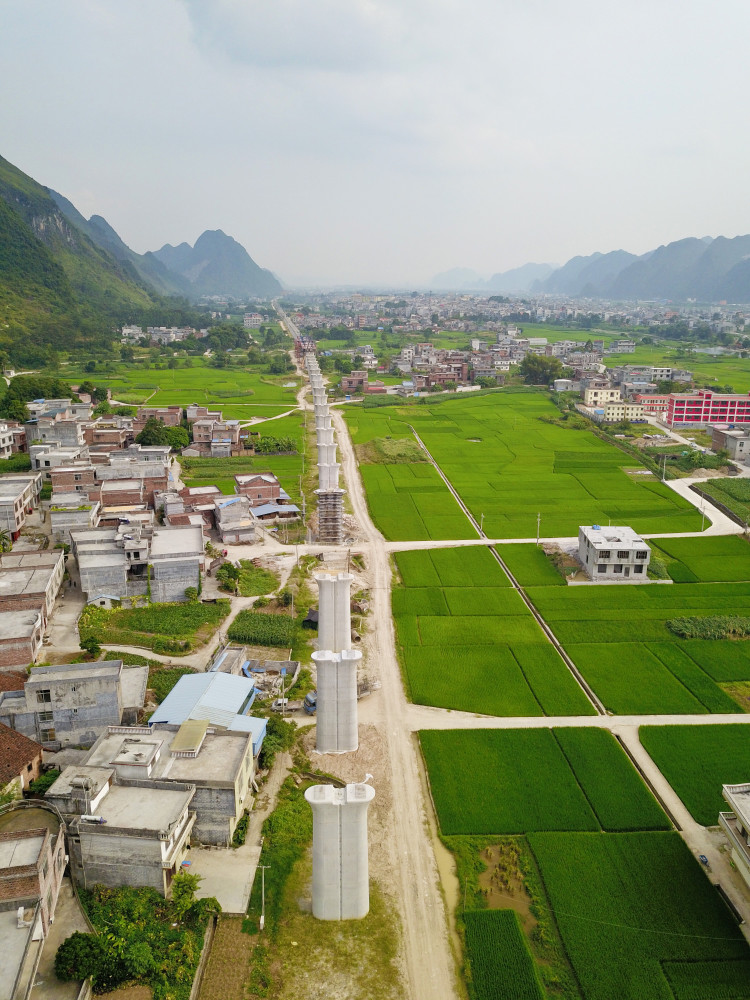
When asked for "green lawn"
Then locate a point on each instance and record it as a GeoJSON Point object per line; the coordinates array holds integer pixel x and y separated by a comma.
{"type": "Point", "coordinates": [468, 642]}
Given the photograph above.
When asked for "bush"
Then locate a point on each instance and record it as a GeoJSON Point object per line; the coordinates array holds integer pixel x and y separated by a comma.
{"type": "Point", "coordinates": [44, 782]}
{"type": "Point", "coordinates": [710, 627]}
{"type": "Point", "coordinates": [280, 735]}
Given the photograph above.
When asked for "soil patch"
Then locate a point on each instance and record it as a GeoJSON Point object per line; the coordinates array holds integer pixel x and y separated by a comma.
{"type": "Point", "coordinates": [502, 883]}
{"type": "Point", "coordinates": [228, 963]}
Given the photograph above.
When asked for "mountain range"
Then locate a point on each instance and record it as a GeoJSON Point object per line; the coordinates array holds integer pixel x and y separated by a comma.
{"type": "Point", "coordinates": [707, 270]}
{"type": "Point", "coordinates": [67, 281]}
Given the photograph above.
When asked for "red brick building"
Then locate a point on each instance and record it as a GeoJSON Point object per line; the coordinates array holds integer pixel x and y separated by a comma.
{"type": "Point", "coordinates": [20, 758]}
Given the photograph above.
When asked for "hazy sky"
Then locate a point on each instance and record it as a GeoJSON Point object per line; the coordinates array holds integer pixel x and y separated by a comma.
{"type": "Point", "coordinates": [385, 140]}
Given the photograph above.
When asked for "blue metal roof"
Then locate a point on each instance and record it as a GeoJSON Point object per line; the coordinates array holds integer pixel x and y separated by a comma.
{"type": "Point", "coordinates": [216, 697]}
{"type": "Point", "coordinates": [274, 508]}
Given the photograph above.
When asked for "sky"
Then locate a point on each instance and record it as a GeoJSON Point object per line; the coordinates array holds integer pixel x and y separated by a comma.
{"type": "Point", "coordinates": [384, 141]}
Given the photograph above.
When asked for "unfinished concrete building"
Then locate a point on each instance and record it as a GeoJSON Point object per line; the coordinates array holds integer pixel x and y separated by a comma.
{"type": "Point", "coordinates": [340, 881]}
{"type": "Point", "coordinates": [219, 763]}
{"type": "Point", "coordinates": [72, 703]}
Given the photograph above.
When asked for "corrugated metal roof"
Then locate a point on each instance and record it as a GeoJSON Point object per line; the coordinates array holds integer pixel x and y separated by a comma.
{"type": "Point", "coordinates": [215, 694]}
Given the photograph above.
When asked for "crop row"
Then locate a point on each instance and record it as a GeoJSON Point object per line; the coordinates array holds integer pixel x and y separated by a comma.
{"type": "Point", "coordinates": [501, 967]}
{"type": "Point", "coordinates": [259, 629]}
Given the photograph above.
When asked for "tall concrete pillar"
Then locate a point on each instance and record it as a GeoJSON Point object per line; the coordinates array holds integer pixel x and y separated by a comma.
{"type": "Point", "coordinates": [325, 435]}
{"type": "Point", "coordinates": [328, 476]}
{"type": "Point", "coordinates": [336, 717]}
{"type": "Point", "coordinates": [326, 453]}
{"type": "Point", "coordinates": [340, 883]}
{"type": "Point", "coordinates": [322, 421]}
{"type": "Point", "coordinates": [334, 611]}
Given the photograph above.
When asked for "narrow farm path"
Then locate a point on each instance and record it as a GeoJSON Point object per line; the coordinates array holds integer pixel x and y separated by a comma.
{"type": "Point", "coordinates": [430, 971]}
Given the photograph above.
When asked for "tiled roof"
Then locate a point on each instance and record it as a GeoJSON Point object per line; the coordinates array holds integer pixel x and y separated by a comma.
{"type": "Point", "coordinates": [11, 680]}
{"type": "Point", "coordinates": [16, 751]}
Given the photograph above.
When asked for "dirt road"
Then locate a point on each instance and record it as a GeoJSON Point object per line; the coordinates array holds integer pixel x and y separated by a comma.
{"type": "Point", "coordinates": [430, 971]}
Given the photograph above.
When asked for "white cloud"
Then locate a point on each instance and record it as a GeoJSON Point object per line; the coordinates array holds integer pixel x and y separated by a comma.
{"type": "Point", "coordinates": [386, 139]}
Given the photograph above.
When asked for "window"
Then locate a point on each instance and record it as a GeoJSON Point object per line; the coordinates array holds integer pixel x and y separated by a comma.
{"type": "Point", "coordinates": [623, 554]}
{"type": "Point", "coordinates": [605, 554]}
{"type": "Point", "coordinates": [638, 569]}
{"type": "Point", "coordinates": [44, 697]}
{"type": "Point", "coordinates": [46, 716]}
{"type": "Point", "coordinates": [47, 735]}
{"type": "Point", "coordinates": [641, 555]}
{"type": "Point", "coordinates": [618, 568]}
{"type": "Point", "coordinates": [29, 767]}
{"type": "Point", "coordinates": [602, 568]}
{"type": "Point", "coordinates": [77, 477]}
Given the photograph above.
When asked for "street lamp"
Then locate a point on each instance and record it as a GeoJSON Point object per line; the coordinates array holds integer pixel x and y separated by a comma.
{"type": "Point", "coordinates": [263, 895]}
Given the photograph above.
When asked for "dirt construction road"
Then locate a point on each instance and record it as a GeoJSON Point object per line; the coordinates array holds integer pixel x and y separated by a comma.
{"type": "Point", "coordinates": [430, 970]}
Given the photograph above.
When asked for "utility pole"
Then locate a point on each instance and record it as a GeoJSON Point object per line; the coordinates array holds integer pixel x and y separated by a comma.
{"type": "Point", "coordinates": [263, 895]}
{"type": "Point", "coordinates": [481, 524]}
{"type": "Point", "coordinates": [538, 523]}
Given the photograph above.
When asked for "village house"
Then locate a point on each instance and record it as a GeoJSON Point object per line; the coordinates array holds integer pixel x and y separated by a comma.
{"type": "Point", "coordinates": [71, 704]}
{"type": "Point", "coordinates": [613, 553]}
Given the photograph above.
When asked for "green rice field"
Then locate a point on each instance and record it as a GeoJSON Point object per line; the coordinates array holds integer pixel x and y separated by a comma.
{"type": "Point", "coordinates": [618, 638]}
{"type": "Point", "coordinates": [467, 641]}
{"type": "Point", "coordinates": [638, 918]}
{"type": "Point", "coordinates": [505, 781]}
{"type": "Point", "coordinates": [698, 760]}
{"type": "Point", "coordinates": [508, 465]}
{"type": "Point", "coordinates": [238, 392]}
{"type": "Point", "coordinates": [501, 965]}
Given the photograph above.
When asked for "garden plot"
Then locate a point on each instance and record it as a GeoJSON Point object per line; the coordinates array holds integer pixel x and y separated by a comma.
{"type": "Point", "coordinates": [508, 465]}
{"type": "Point", "coordinates": [467, 641]}
{"type": "Point", "coordinates": [618, 638]}
{"type": "Point", "coordinates": [515, 780]}
{"type": "Point", "coordinates": [698, 760]}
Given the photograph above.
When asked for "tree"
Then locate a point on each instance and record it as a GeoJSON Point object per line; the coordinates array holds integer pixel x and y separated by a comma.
{"type": "Point", "coordinates": [91, 646]}
{"type": "Point", "coordinates": [177, 437]}
{"type": "Point", "coordinates": [536, 369]}
{"type": "Point", "coordinates": [80, 956]}
{"type": "Point", "coordinates": [6, 541]}
{"type": "Point", "coordinates": [154, 432]}
{"type": "Point", "coordinates": [184, 887]}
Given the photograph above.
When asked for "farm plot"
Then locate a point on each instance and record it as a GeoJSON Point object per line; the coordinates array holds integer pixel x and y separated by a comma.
{"type": "Point", "coordinates": [508, 464]}
{"type": "Point", "coordinates": [706, 560]}
{"type": "Point", "coordinates": [698, 760]}
{"type": "Point", "coordinates": [501, 966]}
{"type": "Point", "coordinates": [513, 781]}
{"type": "Point", "coordinates": [221, 471]}
{"type": "Point", "coordinates": [164, 628]}
{"type": "Point", "coordinates": [618, 638]}
{"type": "Point", "coordinates": [411, 502]}
{"type": "Point", "coordinates": [530, 566]}
{"type": "Point", "coordinates": [467, 641]}
{"type": "Point", "coordinates": [639, 919]}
